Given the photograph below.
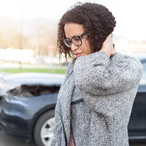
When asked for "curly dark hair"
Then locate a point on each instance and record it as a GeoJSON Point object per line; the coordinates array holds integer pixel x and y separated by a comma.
{"type": "Point", "coordinates": [97, 21]}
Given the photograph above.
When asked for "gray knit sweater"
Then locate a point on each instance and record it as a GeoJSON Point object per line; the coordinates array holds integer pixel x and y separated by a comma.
{"type": "Point", "coordinates": [108, 87]}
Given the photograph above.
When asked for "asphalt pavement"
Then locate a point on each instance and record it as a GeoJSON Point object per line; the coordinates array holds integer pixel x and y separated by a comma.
{"type": "Point", "coordinates": [7, 140]}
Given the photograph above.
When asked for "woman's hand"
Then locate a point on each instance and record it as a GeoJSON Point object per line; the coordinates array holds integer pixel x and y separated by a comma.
{"type": "Point", "coordinates": [107, 46]}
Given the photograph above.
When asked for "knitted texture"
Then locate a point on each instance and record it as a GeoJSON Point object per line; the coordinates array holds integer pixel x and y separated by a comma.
{"type": "Point", "coordinates": [108, 87]}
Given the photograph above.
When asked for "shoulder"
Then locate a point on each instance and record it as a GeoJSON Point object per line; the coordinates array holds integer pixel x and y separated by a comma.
{"type": "Point", "coordinates": [134, 63]}
{"type": "Point", "coordinates": [127, 62]}
{"type": "Point", "coordinates": [132, 59]}
{"type": "Point", "coordinates": [118, 57]}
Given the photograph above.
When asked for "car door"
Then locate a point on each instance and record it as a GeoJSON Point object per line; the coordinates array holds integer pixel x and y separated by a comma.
{"type": "Point", "coordinates": [137, 124]}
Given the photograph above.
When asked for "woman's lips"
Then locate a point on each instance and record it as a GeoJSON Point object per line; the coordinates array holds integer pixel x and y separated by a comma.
{"type": "Point", "coordinates": [78, 54]}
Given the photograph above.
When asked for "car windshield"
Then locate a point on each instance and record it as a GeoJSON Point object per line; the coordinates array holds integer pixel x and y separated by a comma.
{"type": "Point", "coordinates": [143, 79]}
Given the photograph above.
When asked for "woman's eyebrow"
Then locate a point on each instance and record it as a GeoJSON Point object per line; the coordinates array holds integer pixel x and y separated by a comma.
{"type": "Point", "coordinates": [73, 36]}
{"type": "Point", "coordinates": [77, 34]}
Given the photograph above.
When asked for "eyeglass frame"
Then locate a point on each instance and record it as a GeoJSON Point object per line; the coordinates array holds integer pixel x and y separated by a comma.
{"type": "Point", "coordinates": [80, 37]}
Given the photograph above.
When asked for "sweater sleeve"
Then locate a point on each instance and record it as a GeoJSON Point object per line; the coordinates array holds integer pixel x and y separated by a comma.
{"type": "Point", "coordinates": [57, 139]}
{"type": "Point", "coordinates": [58, 127]}
{"type": "Point", "coordinates": [97, 74]}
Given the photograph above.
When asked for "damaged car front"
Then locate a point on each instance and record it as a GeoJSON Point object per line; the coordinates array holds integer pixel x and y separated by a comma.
{"type": "Point", "coordinates": [27, 110]}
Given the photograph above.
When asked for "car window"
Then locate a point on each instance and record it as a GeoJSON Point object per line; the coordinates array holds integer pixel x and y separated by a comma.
{"type": "Point", "coordinates": [143, 79]}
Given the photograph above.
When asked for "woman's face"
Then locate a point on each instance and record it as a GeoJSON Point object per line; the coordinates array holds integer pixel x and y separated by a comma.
{"type": "Point", "coordinates": [74, 29]}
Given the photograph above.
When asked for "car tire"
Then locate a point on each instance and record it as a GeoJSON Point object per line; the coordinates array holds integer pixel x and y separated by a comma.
{"type": "Point", "coordinates": [43, 130]}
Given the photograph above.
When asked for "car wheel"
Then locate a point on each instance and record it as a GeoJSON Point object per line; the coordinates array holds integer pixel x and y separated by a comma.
{"type": "Point", "coordinates": [43, 131]}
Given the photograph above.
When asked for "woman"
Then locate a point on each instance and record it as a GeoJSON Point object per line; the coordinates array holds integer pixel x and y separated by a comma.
{"type": "Point", "coordinates": [95, 101]}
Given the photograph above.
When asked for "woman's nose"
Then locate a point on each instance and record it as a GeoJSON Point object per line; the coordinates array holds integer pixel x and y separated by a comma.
{"type": "Point", "coordinates": [73, 47]}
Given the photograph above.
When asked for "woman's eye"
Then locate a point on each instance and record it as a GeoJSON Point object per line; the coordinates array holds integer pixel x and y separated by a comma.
{"type": "Point", "coordinates": [76, 39]}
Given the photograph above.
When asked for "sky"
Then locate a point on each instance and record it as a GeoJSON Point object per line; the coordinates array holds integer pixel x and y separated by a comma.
{"type": "Point", "coordinates": [129, 14]}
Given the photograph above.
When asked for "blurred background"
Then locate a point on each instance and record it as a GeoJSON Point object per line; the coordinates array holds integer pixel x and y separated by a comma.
{"type": "Point", "coordinates": [28, 30]}
{"type": "Point", "coordinates": [28, 35]}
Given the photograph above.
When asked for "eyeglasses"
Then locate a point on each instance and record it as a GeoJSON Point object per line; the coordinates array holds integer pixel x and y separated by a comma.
{"type": "Point", "coordinates": [76, 40]}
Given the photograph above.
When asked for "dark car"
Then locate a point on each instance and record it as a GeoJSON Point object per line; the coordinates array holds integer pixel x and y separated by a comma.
{"type": "Point", "coordinates": [137, 124]}
{"type": "Point", "coordinates": [28, 110]}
